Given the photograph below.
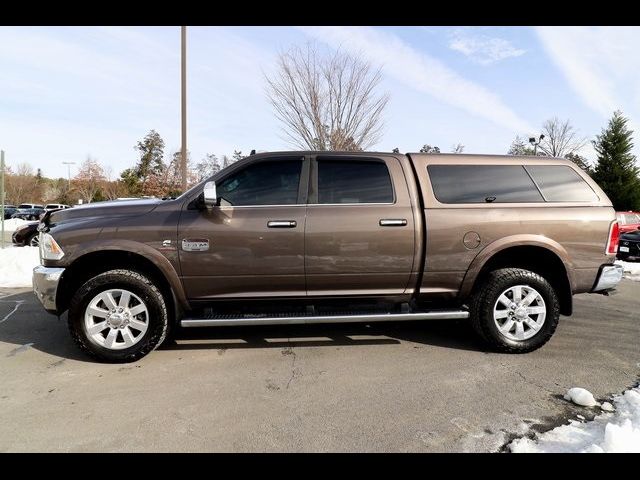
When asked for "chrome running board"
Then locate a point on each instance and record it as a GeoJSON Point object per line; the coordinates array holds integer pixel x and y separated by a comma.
{"type": "Point", "coordinates": [227, 320]}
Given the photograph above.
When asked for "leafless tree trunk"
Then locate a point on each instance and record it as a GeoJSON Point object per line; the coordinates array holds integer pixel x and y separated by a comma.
{"type": "Point", "coordinates": [327, 102]}
{"type": "Point", "coordinates": [560, 138]}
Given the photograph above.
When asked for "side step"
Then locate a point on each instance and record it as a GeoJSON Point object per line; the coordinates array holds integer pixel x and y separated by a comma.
{"type": "Point", "coordinates": [304, 319]}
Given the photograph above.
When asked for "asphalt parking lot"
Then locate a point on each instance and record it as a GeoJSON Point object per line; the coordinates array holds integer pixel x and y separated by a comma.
{"type": "Point", "coordinates": [418, 386]}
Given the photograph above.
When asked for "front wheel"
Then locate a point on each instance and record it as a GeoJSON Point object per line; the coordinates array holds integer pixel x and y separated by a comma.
{"type": "Point", "coordinates": [515, 310]}
{"type": "Point", "coordinates": [118, 316]}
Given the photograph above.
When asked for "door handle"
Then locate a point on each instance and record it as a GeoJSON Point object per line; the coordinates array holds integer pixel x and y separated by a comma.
{"type": "Point", "coordinates": [282, 224]}
{"type": "Point", "coordinates": [393, 222]}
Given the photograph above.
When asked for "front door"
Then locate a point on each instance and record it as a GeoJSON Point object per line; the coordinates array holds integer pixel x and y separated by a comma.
{"type": "Point", "coordinates": [360, 227]}
{"type": "Point", "coordinates": [252, 244]}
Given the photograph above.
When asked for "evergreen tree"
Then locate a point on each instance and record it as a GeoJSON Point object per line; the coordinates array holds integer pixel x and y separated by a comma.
{"type": "Point", "coordinates": [151, 150]}
{"type": "Point", "coordinates": [616, 171]}
{"type": "Point", "coordinates": [429, 149]}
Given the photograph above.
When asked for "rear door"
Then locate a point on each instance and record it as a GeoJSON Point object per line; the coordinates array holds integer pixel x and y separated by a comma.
{"type": "Point", "coordinates": [360, 230]}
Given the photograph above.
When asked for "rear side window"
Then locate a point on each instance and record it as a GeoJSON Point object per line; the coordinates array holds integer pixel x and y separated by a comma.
{"type": "Point", "coordinates": [560, 183]}
{"type": "Point", "coordinates": [345, 181]}
{"type": "Point", "coordinates": [263, 183]}
{"type": "Point", "coordinates": [482, 184]}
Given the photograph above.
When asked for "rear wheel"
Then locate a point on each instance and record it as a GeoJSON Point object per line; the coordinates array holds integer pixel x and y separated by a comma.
{"type": "Point", "coordinates": [515, 310]}
{"type": "Point", "coordinates": [118, 316]}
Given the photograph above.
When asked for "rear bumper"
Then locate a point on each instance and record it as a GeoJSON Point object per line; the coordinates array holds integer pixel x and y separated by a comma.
{"type": "Point", "coordinates": [608, 278]}
{"type": "Point", "coordinates": [45, 286]}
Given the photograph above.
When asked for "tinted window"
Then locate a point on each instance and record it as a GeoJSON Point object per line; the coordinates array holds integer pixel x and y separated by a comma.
{"type": "Point", "coordinates": [346, 181]}
{"type": "Point", "coordinates": [263, 183]}
{"type": "Point", "coordinates": [477, 183]}
{"type": "Point", "coordinates": [560, 183]}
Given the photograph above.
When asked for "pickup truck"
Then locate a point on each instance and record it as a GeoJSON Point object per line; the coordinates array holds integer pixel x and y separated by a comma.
{"type": "Point", "coordinates": [321, 237]}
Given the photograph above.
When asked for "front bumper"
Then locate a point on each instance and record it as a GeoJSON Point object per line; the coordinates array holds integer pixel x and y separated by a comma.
{"type": "Point", "coordinates": [45, 286]}
{"type": "Point", "coordinates": [608, 278]}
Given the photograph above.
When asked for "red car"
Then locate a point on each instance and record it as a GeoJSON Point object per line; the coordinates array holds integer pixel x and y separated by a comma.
{"type": "Point", "coordinates": [628, 221]}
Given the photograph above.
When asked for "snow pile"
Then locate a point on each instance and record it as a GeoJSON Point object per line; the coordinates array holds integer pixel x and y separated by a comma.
{"type": "Point", "coordinates": [16, 266]}
{"type": "Point", "coordinates": [580, 396]}
{"type": "Point", "coordinates": [14, 223]}
{"type": "Point", "coordinates": [631, 270]}
{"type": "Point", "coordinates": [608, 433]}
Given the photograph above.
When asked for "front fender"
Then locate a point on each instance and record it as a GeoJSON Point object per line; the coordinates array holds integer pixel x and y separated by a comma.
{"type": "Point", "coordinates": [165, 266]}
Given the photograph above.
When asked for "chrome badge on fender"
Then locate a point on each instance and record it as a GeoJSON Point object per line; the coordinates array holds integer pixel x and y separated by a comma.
{"type": "Point", "coordinates": [195, 244]}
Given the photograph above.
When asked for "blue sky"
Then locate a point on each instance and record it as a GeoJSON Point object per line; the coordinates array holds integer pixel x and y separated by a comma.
{"type": "Point", "coordinates": [69, 92]}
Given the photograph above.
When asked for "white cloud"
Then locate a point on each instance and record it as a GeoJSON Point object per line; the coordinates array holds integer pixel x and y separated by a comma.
{"type": "Point", "coordinates": [421, 72]}
{"type": "Point", "coordinates": [483, 49]}
{"type": "Point", "coordinates": [601, 65]}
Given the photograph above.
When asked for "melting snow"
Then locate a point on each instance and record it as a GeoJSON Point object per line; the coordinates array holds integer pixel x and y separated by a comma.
{"type": "Point", "coordinates": [16, 266]}
{"type": "Point", "coordinates": [607, 433]}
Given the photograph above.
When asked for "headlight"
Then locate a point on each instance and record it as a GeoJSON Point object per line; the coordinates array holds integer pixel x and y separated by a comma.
{"type": "Point", "coordinates": [49, 248]}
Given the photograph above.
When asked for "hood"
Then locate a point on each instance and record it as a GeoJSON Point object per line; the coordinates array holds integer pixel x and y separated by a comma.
{"type": "Point", "coordinates": [115, 208]}
{"type": "Point", "coordinates": [633, 236]}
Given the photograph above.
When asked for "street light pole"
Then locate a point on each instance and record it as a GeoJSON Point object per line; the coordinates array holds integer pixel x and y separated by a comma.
{"type": "Point", "coordinates": [2, 194]}
{"type": "Point", "coordinates": [183, 150]}
{"type": "Point", "coordinates": [68, 164]}
{"type": "Point", "coordinates": [532, 141]}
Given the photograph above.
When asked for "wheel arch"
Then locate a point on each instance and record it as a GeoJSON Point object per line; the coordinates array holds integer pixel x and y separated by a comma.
{"type": "Point", "coordinates": [101, 259]}
{"type": "Point", "coordinates": [536, 253]}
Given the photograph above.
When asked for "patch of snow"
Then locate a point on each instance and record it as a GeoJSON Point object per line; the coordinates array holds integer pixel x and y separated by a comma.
{"type": "Point", "coordinates": [12, 224]}
{"type": "Point", "coordinates": [607, 433]}
{"type": "Point", "coordinates": [580, 396]}
{"type": "Point", "coordinates": [607, 407]}
{"type": "Point", "coordinates": [16, 266]}
{"type": "Point", "coordinates": [631, 270]}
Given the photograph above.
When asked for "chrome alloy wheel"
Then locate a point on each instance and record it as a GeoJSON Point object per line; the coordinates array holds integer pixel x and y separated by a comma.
{"type": "Point", "coordinates": [519, 312]}
{"type": "Point", "coordinates": [35, 241]}
{"type": "Point", "coordinates": [116, 319]}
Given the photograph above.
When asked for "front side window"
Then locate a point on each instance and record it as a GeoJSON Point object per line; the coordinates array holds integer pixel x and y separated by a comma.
{"type": "Point", "coordinates": [272, 182]}
{"type": "Point", "coordinates": [353, 181]}
{"type": "Point", "coordinates": [482, 184]}
{"type": "Point", "coordinates": [560, 183]}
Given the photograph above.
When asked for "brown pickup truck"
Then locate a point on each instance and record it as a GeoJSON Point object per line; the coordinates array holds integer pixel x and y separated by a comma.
{"type": "Point", "coordinates": [321, 237]}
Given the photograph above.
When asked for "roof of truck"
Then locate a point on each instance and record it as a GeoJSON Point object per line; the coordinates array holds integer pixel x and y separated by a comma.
{"type": "Point", "coordinates": [480, 157]}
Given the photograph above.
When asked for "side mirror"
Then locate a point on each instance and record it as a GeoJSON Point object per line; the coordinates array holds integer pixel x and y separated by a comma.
{"type": "Point", "coordinates": [210, 197]}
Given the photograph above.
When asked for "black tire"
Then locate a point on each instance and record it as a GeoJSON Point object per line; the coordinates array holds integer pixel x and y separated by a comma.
{"type": "Point", "coordinates": [485, 297]}
{"type": "Point", "coordinates": [138, 284]}
{"type": "Point", "coordinates": [27, 242]}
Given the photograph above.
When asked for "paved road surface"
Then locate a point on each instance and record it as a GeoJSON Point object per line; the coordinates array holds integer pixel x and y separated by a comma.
{"type": "Point", "coordinates": [385, 387]}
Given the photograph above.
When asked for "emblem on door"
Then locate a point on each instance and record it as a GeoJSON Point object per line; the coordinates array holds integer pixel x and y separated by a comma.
{"type": "Point", "coordinates": [195, 244]}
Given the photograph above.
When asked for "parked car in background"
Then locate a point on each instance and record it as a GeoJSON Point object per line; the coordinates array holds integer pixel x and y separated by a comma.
{"type": "Point", "coordinates": [26, 234]}
{"type": "Point", "coordinates": [629, 221]}
{"type": "Point", "coordinates": [55, 206]}
{"type": "Point", "coordinates": [29, 211]}
{"type": "Point", "coordinates": [9, 210]}
{"type": "Point", "coordinates": [629, 246]}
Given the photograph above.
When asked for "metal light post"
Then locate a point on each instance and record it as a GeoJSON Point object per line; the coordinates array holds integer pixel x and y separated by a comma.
{"type": "Point", "coordinates": [183, 150]}
{"type": "Point", "coordinates": [532, 141]}
{"type": "Point", "coordinates": [68, 164]}
{"type": "Point", "coordinates": [2, 195]}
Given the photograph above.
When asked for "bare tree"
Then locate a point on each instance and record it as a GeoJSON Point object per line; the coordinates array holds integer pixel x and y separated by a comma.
{"type": "Point", "coordinates": [560, 138]}
{"type": "Point", "coordinates": [458, 148]}
{"type": "Point", "coordinates": [90, 179]}
{"type": "Point", "coordinates": [327, 102]}
{"type": "Point", "coordinates": [21, 185]}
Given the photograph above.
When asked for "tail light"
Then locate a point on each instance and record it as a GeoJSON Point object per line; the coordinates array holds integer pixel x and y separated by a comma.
{"type": "Point", "coordinates": [614, 238]}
